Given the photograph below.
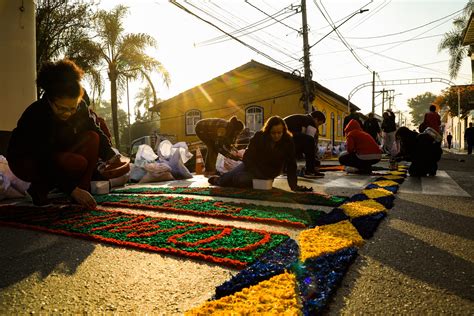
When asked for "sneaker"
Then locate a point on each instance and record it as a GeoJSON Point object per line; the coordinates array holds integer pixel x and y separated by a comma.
{"type": "Point", "coordinates": [213, 180]}
{"type": "Point", "coordinates": [38, 198]}
{"type": "Point", "coordinates": [209, 174]}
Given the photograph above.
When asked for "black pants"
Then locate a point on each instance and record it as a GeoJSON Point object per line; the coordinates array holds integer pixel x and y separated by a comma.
{"type": "Point", "coordinates": [304, 144]}
{"type": "Point", "coordinates": [351, 159]}
{"type": "Point", "coordinates": [469, 147]}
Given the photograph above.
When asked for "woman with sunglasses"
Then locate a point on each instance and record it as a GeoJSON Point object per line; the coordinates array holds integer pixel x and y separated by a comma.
{"type": "Point", "coordinates": [56, 143]}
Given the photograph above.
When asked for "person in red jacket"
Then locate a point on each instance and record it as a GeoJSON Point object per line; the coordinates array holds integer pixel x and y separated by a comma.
{"type": "Point", "coordinates": [431, 119]}
{"type": "Point", "coordinates": [361, 150]}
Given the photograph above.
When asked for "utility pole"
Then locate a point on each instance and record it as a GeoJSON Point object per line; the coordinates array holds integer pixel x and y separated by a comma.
{"type": "Point", "coordinates": [383, 92]}
{"type": "Point", "coordinates": [373, 91]}
{"type": "Point", "coordinates": [308, 92]}
{"type": "Point", "coordinates": [383, 100]}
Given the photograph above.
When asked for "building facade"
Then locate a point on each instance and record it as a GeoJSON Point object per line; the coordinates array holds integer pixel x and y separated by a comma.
{"type": "Point", "coordinates": [252, 92]}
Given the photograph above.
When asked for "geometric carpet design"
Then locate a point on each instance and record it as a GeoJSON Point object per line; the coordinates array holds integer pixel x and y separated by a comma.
{"type": "Point", "coordinates": [286, 216]}
{"type": "Point", "coordinates": [276, 195]}
{"type": "Point", "coordinates": [224, 245]}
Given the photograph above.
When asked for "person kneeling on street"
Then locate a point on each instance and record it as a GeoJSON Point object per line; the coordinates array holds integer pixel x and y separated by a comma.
{"type": "Point", "coordinates": [361, 150]}
{"type": "Point", "coordinates": [268, 152]}
{"type": "Point", "coordinates": [219, 136]}
{"type": "Point", "coordinates": [56, 143]}
{"type": "Point", "coordinates": [421, 149]}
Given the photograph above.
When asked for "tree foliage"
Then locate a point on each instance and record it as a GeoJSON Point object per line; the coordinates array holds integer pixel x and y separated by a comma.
{"type": "Point", "coordinates": [449, 99]}
{"type": "Point", "coordinates": [102, 109]}
{"type": "Point", "coordinates": [452, 41]}
{"type": "Point", "coordinates": [123, 55]}
{"type": "Point", "coordinates": [419, 105]}
{"type": "Point", "coordinates": [63, 30]}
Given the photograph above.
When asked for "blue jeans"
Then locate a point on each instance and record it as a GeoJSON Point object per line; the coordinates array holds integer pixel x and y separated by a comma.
{"type": "Point", "coordinates": [239, 177]}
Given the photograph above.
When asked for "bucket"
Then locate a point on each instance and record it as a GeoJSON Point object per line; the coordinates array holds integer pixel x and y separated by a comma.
{"type": "Point", "coordinates": [99, 187]}
{"type": "Point", "coordinates": [262, 184]}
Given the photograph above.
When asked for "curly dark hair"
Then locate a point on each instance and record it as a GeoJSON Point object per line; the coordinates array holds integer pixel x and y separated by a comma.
{"type": "Point", "coordinates": [61, 79]}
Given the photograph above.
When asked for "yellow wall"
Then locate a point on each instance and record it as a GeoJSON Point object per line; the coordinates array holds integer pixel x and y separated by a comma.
{"type": "Point", "coordinates": [329, 105]}
{"type": "Point", "coordinates": [233, 92]}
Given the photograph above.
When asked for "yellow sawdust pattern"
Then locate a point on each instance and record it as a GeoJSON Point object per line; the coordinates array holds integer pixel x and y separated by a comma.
{"type": "Point", "coordinates": [276, 296]}
{"type": "Point", "coordinates": [327, 239]}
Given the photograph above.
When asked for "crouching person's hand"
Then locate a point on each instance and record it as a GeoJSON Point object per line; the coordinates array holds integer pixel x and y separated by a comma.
{"type": "Point", "coordinates": [301, 188]}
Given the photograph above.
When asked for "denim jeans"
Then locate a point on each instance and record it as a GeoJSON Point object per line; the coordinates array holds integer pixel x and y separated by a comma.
{"type": "Point", "coordinates": [239, 177]}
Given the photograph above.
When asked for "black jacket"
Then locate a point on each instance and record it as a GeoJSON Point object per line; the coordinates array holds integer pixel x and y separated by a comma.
{"type": "Point", "coordinates": [296, 122]}
{"type": "Point", "coordinates": [39, 133]}
{"type": "Point", "coordinates": [263, 159]}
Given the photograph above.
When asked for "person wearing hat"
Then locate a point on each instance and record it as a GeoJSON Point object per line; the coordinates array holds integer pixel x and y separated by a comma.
{"type": "Point", "coordinates": [219, 136]}
{"type": "Point", "coordinates": [306, 142]}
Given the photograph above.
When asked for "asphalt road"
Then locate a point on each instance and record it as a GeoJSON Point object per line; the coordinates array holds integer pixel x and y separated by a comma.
{"type": "Point", "coordinates": [420, 261]}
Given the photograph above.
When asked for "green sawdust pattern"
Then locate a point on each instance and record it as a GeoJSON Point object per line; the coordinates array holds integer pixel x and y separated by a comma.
{"type": "Point", "coordinates": [118, 226]}
{"type": "Point", "coordinates": [274, 194]}
{"type": "Point", "coordinates": [213, 207]}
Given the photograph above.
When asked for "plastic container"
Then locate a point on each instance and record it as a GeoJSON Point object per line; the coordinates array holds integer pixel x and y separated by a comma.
{"type": "Point", "coordinates": [100, 187]}
{"type": "Point", "coordinates": [262, 184]}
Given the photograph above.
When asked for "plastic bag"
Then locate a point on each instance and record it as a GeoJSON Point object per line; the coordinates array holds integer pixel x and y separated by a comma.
{"type": "Point", "coordinates": [224, 164]}
{"type": "Point", "coordinates": [145, 152]}
{"type": "Point", "coordinates": [166, 150]}
{"type": "Point", "coordinates": [10, 185]}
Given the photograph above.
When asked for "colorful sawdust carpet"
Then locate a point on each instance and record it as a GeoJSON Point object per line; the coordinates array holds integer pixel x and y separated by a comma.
{"type": "Point", "coordinates": [299, 280]}
{"type": "Point", "coordinates": [274, 194]}
{"type": "Point", "coordinates": [214, 208]}
{"type": "Point", "coordinates": [225, 245]}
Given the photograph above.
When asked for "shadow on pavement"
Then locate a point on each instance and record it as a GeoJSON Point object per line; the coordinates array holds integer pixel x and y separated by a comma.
{"type": "Point", "coordinates": [434, 218]}
{"type": "Point", "coordinates": [425, 262]}
{"type": "Point", "coordinates": [26, 252]}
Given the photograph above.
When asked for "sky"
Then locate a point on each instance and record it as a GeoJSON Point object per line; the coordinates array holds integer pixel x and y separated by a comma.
{"type": "Point", "coordinates": [398, 39]}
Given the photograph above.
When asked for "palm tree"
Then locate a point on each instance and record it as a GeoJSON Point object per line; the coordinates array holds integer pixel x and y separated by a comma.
{"type": "Point", "coordinates": [452, 41]}
{"type": "Point", "coordinates": [145, 100]}
{"type": "Point", "coordinates": [124, 56]}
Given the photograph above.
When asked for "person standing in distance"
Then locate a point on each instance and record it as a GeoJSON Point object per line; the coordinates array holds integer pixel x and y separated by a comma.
{"type": "Point", "coordinates": [469, 137]}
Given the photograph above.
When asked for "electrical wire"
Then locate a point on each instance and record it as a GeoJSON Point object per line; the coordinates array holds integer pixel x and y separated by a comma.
{"type": "Point", "coordinates": [226, 38]}
{"type": "Point", "coordinates": [351, 50]}
{"type": "Point", "coordinates": [409, 30]}
{"type": "Point", "coordinates": [372, 13]}
{"type": "Point", "coordinates": [383, 44]}
{"type": "Point", "coordinates": [174, 2]}
{"type": "Point", "coordinates": [260, 10]}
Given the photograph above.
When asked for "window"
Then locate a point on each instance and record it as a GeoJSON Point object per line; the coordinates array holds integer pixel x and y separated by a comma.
{"type": "Point", "coordinates": [192, 117]}
{"type": "Point", "coordinates": [254, 118]}
{"type": "Point", "coordinates": [339, 125]}
{"type": "Point", "coordinates": [324, 126]}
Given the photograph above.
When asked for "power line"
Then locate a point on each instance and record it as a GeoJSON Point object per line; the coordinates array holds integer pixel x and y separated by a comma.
{"type": "Point", "coordinates": [230, 35]}
{"type": "Point", "coordinates": [290, 27]}
{"type": "Point", "coordinates": [384, 44]}
{"type": "Point", "coordinates": [384, 71]}
{"type": "Point", "coordinates": [409, 30]}
{"type": "Point", "coordinates": [374, 11]}
{"type": "Point", "coordinates": [224, 38]}
{"type": "Point", "coordinates": [242, 29]}
{"type": "Point", "coordinates": [351, 50]}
